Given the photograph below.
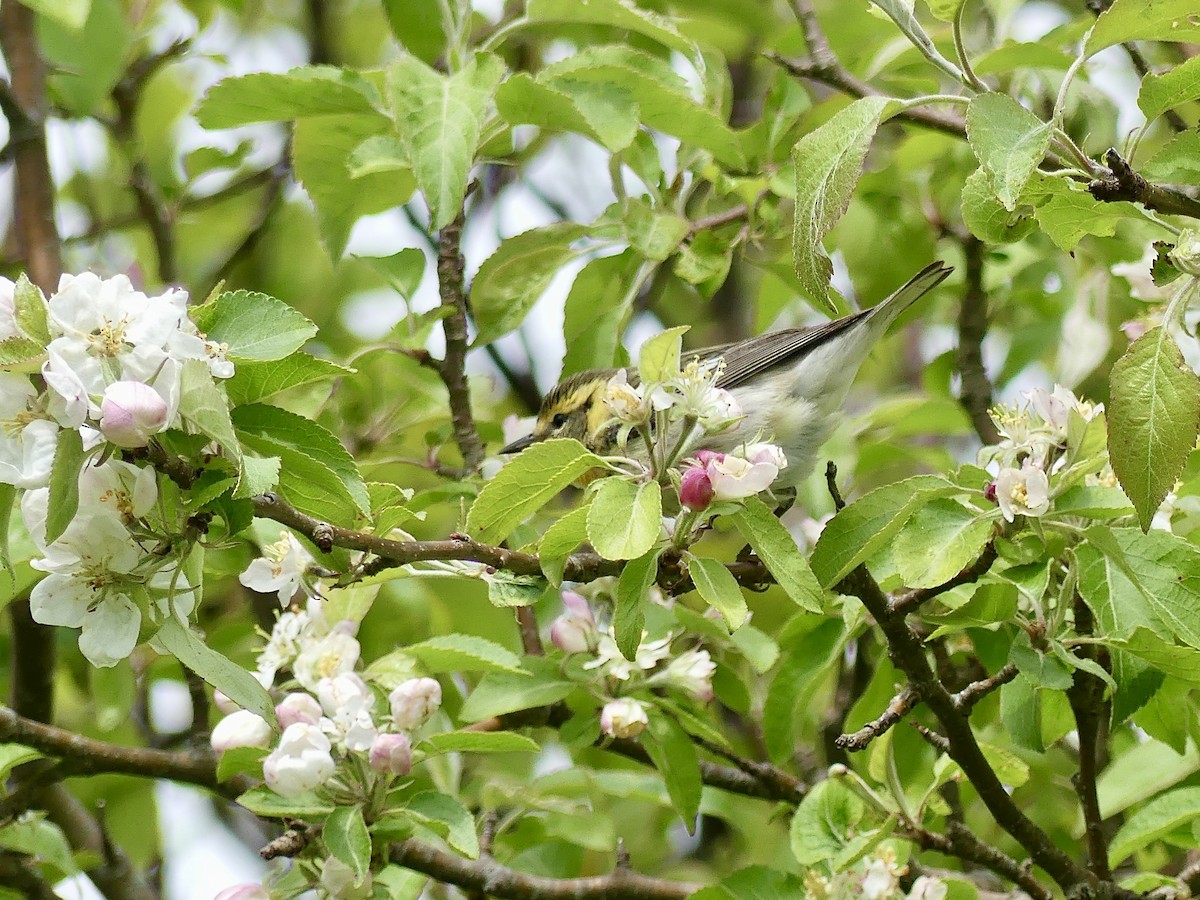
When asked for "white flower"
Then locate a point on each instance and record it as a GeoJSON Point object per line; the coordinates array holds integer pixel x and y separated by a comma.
{"type": "Point", "coordinates": [414, 701]}
{"type": "Point", "coordinates": [881, 880]}
{"type": "Point", "coordinates": [331, 655]}
{"type": "Point", "coordinates": [347, 702]}
{"type": "Point", "coordinates": [625, 402]}
{"type": "Point", "coordinates": [280, 569]}
{"type": "Point", "coordinates": [241, 729]}
{"type": "Point", "coordinates": [301, 762]}
{"type": "Point", "coordinates": [734, 478]}
{"type": "Point", "coordinates": [223, 703]}
{"type": "Point", "coordinates": [391, 754]}
{"type": "Point", "coordinates": [575, 630]}
{"type": "Point", "coordinates": [926, 888]}
{"type": "Point", "coordinates": [1055, 407]}
{"type": "Point", "coordinates": [692, 673]}
{"type": "Point", "coordinates": [282, 646]}
{"type": "Point", "coordinates": [762, 452]}
{"type": "Point", "coordinates": [1022, 492]}
{"type": "Point", "coordinates": [28, 438]}
{"type": "Point", "coordinates": [624, 718]}
{"type": "Point", "coordinates": [8, 310]}
{"type": "Point", "coordinates": [131, 413]}
{"type": "Point", "coordinates": [697, 396]}
{"type": "Point", "coordinates": [610, 661]}
{"type": "Point", "coordinates": [298, 707]}
{"type": "Point", "coordinates": [246, 891]}
{"type": "Point", "coordinates": [88, 587]}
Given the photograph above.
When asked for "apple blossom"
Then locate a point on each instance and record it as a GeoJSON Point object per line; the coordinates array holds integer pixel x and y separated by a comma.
{"type": "Point", "coordinates": [926, 888]}
{"type": "Point", "coordinates": [331, 655]}
{"type": "Point", "coordinates": [1022, 492]}
{"type": "Point", "coordinates": [247, 891]}
{"type": "Point", "coordinates": [298, 707]}
{"type": "Point", "coordinates": [624, 401]}
{"type": "Point", "coordinates": [340, 882]}
{"type": "Point", "coordinates": [241, 729]}
{"type": "Point", "coordinates": [881, 881]}
{"type": "Point", "coordinates": [8, 310]}
{"type": "Point", "coordinates": [612, 663]}
{"type": "Point", "coordinates": [695, 395]}
{"type": "Point", "coordinates": [391, 754]}
{"type": "Point", "coordinates": [223, 703]}
{"type": "Point", "coordinates": [414, 701]}
{"type": "Point", "coordinates": [28, 437]}
{"type": "Point", "coordinates": [301, 762]}
{"type": "Point", "coordinates": [623, 718]}
{"type": "Point", "coordinates": [131, 413]}
{"type": "Point", "coordinates": [282, 646]}
{"type": "Point", "coordinates": [347, 701]}
{"type": "Point", "coordinates": [734, 478]}
{"type": "Point", "coordinates": [692, 673]}
{"type": "Point", "coordinates": [575, 630]}
{"type": "Point", "coordinates": [280, 570]}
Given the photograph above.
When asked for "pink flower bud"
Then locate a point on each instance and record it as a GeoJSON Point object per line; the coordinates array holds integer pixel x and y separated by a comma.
{"type": "Point", "coordinates": [575, 630]}
{"type": "Point", "coordinates": [989, 492]}
{"type": "Point", "coordinates": [391, 754]}
{"type": "Point", "coordinates": [704, 457]}
{"type": "Point", "coordinates": [414, 701]}
{"type": "Point", "coordinates": [696, 490]}
{"type": "Point", "coordinates": [224, 704]}
{"type": "Point", "coordinates": [624, 718]}
{"type": "Point", "coordinates": [298, 707]}
{"type": "Point", "coordinates": [241, 729]}
{"type": "Point", "coordinates": [131, 413]}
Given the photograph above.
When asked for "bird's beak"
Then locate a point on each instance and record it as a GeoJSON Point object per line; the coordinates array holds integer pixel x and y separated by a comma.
{"type": "Point", "coordinates": [520, 444]}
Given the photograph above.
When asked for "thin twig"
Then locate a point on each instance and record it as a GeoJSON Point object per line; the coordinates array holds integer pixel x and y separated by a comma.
{"type": "Point", "coordinates": [1123, 183]}
{"type": "Point", "coordinates": [1091, 711]}
{"type": "Point", "coordinates": [965, 699]}
{"type": "Point", "coordinates": [900, 706]}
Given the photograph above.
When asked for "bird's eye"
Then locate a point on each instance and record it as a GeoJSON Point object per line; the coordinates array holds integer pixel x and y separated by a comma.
{"type": "Point", "coordinates": [559, 420]}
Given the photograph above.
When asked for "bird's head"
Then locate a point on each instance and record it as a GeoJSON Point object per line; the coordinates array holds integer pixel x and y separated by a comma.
{"type": "Point", "coordinates": [574, 409]}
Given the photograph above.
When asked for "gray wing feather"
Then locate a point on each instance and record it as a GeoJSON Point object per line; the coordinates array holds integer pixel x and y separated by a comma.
{"type": "Point", "coordinates": [746, 359]}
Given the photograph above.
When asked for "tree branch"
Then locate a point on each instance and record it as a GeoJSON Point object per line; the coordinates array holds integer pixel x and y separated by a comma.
{"type": "Point", "coordinates": [975, 393]}
{"type": "Point", "coordinates": [1086, 696]}
{"type": "Point", "coordinates": [1122, 183]}
{"type": "Point", "coordinates": [965, 699]}
{"type": "Point", "coordinates": [902, 704]}
{"type": "Point", "coordinates": [452, 286]}
{"type": "Point", "coordinates": [493, 879]}
{"type": "Point", "coordinates": [903, 604]}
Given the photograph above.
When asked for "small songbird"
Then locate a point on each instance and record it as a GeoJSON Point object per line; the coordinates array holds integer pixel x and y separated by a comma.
{"type": "Point", "coordinates": [790, 384]}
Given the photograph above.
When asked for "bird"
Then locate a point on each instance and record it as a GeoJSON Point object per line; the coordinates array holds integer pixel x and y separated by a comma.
{"type": "Point", "coordinates": [790, 384]}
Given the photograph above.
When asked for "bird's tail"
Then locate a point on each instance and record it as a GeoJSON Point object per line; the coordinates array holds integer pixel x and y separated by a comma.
{"type": "Point", "coordinates": [884, 314]}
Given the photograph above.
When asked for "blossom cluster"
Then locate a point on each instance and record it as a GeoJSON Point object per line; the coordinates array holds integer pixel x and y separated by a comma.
{"type": "Point", "coordinates": [576, 631]}
{"type": "Point", "coordinates": [691, 395]}
{"type": "Point", "coordinates": [328, 714]}
{"type": "Point", "coordinates": [876, 877]}
{"type": "Point", "coordinates": [752, 468]}
{"type": "Point", "coordinates": [1033, 449]}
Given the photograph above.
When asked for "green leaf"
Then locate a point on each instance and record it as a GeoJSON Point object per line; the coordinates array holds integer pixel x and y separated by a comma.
{"type": "Point", "coordinates": [204, 406]}
{"type": "Point", "coordinates": [719, 589]}
{"type": "Point", "coordinates": [257, 476]}
{"type": "Point", "coordinates": [508, 590]}
{"type": "Point", "coordinates": [624, 519]}
{"type": "Point", "coordinates": [255, 382]}
{"type": "Point", "coordinates": [1176, 161]}
{"type": "Point", "coordinates": [526, 483]}
{"type": "Point", "coordinates": [940, 539]}
{"type": "Point", "coordinates": [1131, 579]}
{"type": "Point", "coordinates": [262, 801]}
{"type": "Point", "coordinates": [85, 63]}
{"type": "Point", "coordinates": [986, 217]}
{"type": "Point", "coordinates": [658, 358]}
{"type": "Point", "coordinates": [500, 693]}
{"type": "Point", "coordinates": [1142, 772]}
{"type": "Point", "coordinates": [346, 837]}
{"type": "Point", "coordinates": [272, 431]}
{"type": "Point", "coordinates": [13, 755]}
{"type": "Point", "coordinates": [829, 162]}
{"type": "Point", "coordinates": [652, 233]}
{"type": "Point", "coordinates": [479, 742]}
{"type": "Point", "coordinates": [35, 836]}
{"type": "Point", "coordinates": [439, 118]}
{"type": "Point", "coordinates": [222, 673]}
{"type": "Point", "coordinates": [862, 529]}
{"type": "Point", "coordinates": [804, 660]}
{"type": "Point", "coordinates": [1153, 419]}
{"type": "Point", "coordinates": [253, 326]}
{"type": "Point", "coordinates": [464, 653]}
{"type": "Point", "coordinates": [778, 551]}
{"type": "Point", "coordinates": [30, 311]}
{"type": "Point", "coordinates": [664, 101]}
{"type": "Point", "coordinates": [597, 305]}
{"type": "Point", "coordinates": [674, 755]}
{"type": "Point", "coordinates": [448, 818]}
{"type": "Point", "coordinates": [1171, 89]}
{"type": "Point", "coordinates": [1009, 141]}
{"type": "Point", "coordinates": [633, 594]}
{"type": "Point", "coordinates": [622, 14]}
{"type": "Point", "coordinates": [1067, 212]}
{"type": "Point", "coordinates": [321, 150]}
{"type": "Point", "coordinates": [826, 821]}
{"type": "Point", "coordinates": [1144, 20]}
{"type": "Point", "coordinates": [69, 13]}
{"type": "Point", "coordinates": [64, 483]}
{"type": "Point", "coordinates": [558, 542]}
{"type": "Point", "coordinates": [605, 113]}
{"type": "Point", "coordinates": [20, 354]}
{"type": "Point", "coordinates": [418, 26]}
{"type": "Point", "coordinates": [280, 97]}
{"type": "Point", "coordinates": [1021, 713]}
{"type": "Point", "coordinates": [511, 280]}
{"type": "Point", "coordinates": [1157, 819]}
